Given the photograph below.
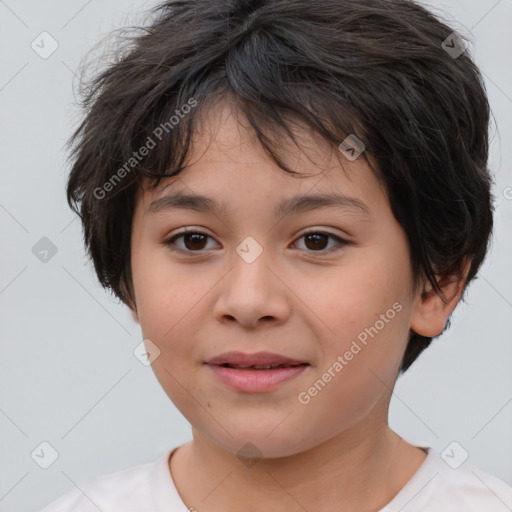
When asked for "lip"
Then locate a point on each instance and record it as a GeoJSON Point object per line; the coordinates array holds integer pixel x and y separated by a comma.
{"type": "Point", "coordinates": [256, 381]}
{"type": "Point", "coordinates": [256, 358]}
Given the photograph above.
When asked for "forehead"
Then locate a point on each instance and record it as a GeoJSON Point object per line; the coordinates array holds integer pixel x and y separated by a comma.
{"type": "Point", "coordinates": [226, 157]}
{"type": "Point", "coordinates": [224, 132]}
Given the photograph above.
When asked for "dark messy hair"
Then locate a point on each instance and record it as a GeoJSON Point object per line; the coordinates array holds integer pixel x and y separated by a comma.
{"type": "Point", "coordinates": [387, 71]}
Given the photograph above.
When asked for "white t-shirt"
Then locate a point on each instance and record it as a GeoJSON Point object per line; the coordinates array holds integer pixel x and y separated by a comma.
{"type": "Point", "coordinates": [435, 487]}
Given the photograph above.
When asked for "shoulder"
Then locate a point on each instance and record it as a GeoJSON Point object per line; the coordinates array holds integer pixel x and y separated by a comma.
{"type": "Point", "coordinates": [127, 490]}
{"type": "Point", "coordinates": [475, 489]}
{"type": "Point", "coordinates": [466, 488]}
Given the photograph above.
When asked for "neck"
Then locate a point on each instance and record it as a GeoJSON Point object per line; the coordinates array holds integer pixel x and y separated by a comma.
{"type": "Point", "coordinates": [363, 468]}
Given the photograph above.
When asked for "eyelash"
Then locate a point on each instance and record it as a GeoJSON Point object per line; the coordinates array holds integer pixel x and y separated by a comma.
{"type": "Point", "coordinates": [170, 242]}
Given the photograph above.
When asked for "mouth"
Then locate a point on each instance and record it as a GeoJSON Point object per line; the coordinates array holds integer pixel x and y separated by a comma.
{"type": "Point", "coordinates": [255, 373]}
{"type": "Point", "coordinates": [257, 360]}
{"type": "Point", "coordinates": [264, 367]}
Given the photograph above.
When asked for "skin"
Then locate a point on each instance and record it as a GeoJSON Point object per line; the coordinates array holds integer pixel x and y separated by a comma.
{"type": "Point", "coordinates": [296, 299]}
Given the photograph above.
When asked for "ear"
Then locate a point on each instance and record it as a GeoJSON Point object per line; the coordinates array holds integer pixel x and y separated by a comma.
{"type": "Point", "coordinates": [430, 313]}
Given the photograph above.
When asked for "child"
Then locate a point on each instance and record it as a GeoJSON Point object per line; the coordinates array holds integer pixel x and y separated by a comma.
{"type": "Point", "coordinates": [261, 128]}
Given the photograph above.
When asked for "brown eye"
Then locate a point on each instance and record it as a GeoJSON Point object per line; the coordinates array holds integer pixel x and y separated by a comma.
{"type": "Point", "coordinates": [318, 241]}
{"type": "Point", "coordinates": [193, 241]}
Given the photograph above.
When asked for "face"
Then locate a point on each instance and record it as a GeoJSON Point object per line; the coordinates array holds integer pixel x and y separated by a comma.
{"type": "Point", "coordinates": [328, 286]}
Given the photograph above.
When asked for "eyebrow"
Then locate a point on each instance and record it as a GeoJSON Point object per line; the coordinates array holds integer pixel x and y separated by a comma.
{"type": "Point", "coordinates": [293, 205]}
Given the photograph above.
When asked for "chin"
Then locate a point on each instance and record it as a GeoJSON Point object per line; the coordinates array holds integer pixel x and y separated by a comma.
{"type": "Point", "coordinates": [255, 443]}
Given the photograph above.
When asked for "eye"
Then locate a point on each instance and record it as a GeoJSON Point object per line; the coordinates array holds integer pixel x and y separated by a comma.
{"type": "Point", "coordinates": [315, 240]}
{"type": "Point", "coordinates": [193, 241]}
{"type": "Point", "coordinates": [196, 241]}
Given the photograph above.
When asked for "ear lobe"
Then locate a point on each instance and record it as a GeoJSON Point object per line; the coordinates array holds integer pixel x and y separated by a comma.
{"type": "Point", "coordinates": [430, 313]}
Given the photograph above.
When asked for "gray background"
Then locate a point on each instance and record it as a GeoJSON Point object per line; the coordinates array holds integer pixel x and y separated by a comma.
{"type": "Point", "coordinates": [68, 373]}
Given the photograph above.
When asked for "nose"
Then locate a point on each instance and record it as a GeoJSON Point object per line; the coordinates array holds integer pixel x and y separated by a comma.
{"type": "Point", "coordinates": [253, 292]}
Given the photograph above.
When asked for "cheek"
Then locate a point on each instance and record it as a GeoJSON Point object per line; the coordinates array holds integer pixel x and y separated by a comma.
{"type": "Point", "coordinates": [166, 310]}
{"type": "Point", "coordinates": [351, 298]}
{"type": "Point", "coordinates": [157, 294]}
{"type": "Point", "coordinates": [170, 314]}
{"type": "Point", "coordinates": [366, 312]}
{"type": "Point", "coordinates": [170, 304]}
{"type": "Point", "coordinates": [361, 360]}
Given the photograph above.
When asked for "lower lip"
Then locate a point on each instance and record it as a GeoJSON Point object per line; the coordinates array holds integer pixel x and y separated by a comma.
{"type": "Point", "coordinates": [254, 381]}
